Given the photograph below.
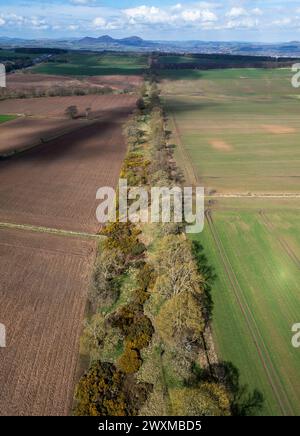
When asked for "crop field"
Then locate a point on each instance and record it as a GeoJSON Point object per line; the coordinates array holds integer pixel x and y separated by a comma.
{"type": "Point", "coordinates": [95, 64]}
{"type": "Point", "coordinates": [256, 299]}
{"type": "Point", "coordinates": [5, 118]}
{"type": "Point", "coordinates": [43, 289]}
{"type": "Point", "coordinates": [243, 125]}
{"type": "Point", "coordinates": [237, 135]}
{"type": "Point", "coordinates": [55, 185]}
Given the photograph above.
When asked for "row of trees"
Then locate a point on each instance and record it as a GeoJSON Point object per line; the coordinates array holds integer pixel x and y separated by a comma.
{"type": "Point", "coordinates": [53, 91]}
{"type": "Point", "coordinates": [150, 302]}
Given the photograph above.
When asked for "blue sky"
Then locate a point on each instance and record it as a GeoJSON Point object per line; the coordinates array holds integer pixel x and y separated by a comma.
{"type": "Point", "coordinates": [243, 20]}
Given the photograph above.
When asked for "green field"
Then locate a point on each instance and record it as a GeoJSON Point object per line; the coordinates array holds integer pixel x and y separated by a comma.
{"type": "Point", "coordinates": [243, 124]}
{"type": "Point", "coordinates": [12, 55]}
{"type": "Point", "coordinates": [177, 59]}
{"type": "Point", "coordinates": [4, 118]}
{"type": "Point", "coordinates": [94, 64]}
{"type": "Point", "coordinates": [256, 299]}
{"type": "Point", "coordinates": [237, 131]}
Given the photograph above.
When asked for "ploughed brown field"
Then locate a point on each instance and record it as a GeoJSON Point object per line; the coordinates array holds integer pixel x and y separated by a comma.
{"type": "Point", "coordinates": [45, 277]}
{"type": "Point", "coordinates": [26, 132]}
{"type": "Point", "coordinates": [43, 289]}
{"type": "Point", "coordinates": [56, 106]}
{"type": "Point", "coordinates": [55, 185]}
{"type": "Point", "coordinates": [20, 81]}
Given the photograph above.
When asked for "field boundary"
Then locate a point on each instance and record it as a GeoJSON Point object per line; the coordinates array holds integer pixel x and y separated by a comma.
{"type": "Point", "coordinates": [52, 231]}
{"type": "Point", "coordinates": [274, 381]}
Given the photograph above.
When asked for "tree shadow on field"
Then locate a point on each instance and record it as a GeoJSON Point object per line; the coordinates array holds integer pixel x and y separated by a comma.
{"type": "Point", "coordinates": [178, 74]}
{"type": "Point", "coordinates": [209, 275]}
{"type": "Point", "coordinates": [243, 401]}
{"type": "Point", "coordinates": [85, 143]}
{"type": "Point", "coordinates": [177, 106]}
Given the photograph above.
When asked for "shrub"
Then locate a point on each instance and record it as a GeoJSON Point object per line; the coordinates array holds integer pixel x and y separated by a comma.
{"type": "Point", "coordinates": [130, 361]}
{"type": "Point", "coordinates": [208, 399]}
{"type": "Point", "coordinates": [106, 391]}
{"type": "Point", "coordinates": [180, 321]}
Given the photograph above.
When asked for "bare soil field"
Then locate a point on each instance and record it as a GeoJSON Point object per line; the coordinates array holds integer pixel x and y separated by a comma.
{"type": "Point", "coordinates": [55, 185]}
{"type": "Point", "coordinates": [220, 145]}
{"type": "Point", "coordinates": [56, 106]}
{"type": "Point", "coordinates": [20, 81]}
{"type": "Point", "coordinates": [25, 132]}
{"type": "Point", "coordinates": [116, 82]}
{"type": "Point", "coordinates": [43, 287]}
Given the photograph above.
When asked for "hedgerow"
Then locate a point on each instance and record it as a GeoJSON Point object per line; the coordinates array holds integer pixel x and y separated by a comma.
{"type": "Point", "coordinates": [160, 322]}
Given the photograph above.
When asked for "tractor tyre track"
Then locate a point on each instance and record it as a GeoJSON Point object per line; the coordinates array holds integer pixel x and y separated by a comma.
{"type": "Point", "coordinates": [283, 243]}
{"type": "Point", "coordinates": [275, 383]}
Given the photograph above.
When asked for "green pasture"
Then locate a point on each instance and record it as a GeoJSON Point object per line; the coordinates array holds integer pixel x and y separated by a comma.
{"type": "Point", "coordinates": [94, 64]}
{"type": "Point", "coordinates": [241, 132]}
{"type": "Point", "coordinates": [269, 285]}
{"type": "Point", "coordinates": [240, 129]}
{"type": "Point", "coordinates": [4, 118]}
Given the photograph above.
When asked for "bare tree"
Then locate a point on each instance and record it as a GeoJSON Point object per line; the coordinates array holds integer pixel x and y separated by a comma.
{"type": "Point", "coordinates": [72, 112]}
{"type": "Point", "coordinates": [88, 111]}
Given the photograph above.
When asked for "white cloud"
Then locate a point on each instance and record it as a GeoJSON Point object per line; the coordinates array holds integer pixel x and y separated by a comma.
{"type": "Point", "coordinates": [2, 21]}
{"type": "Point", "coordinates": [257, 11]}
{"type": "Point", "coordinates": [39, 24]}
{"type": "Point", "coordinates": [282, 21]}
{"type": "Point", "coordinates": [236, 12]}
{"type": "Point", "coordinates": [73, 27]}
{"type": "Point", "coordinates": [175, 16]}
{"type": "Point", "coordinates": [99, 22]}
{"type": "Point", "coordinates": [82, 2]}
{"type": "Point", "coordinates": [243, 23]}
{"type": "Point", "coordinates": [147, 14]}
{"type": "Point", "coordinates": [194, 15]}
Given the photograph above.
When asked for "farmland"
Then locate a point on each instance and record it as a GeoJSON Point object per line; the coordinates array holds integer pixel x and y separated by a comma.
{"type": "Point", "coordinates": [43, 288]}
{"type": "Point", "coordinates": [30, 84]}
{"type": "Point", "coordinates": [95, 64]}
{"type": "Point", "coordinates": [5, 118]}
{"type": "Point", "coordinates": [24, 133]}
{"type": "Point", "coordinates": [238, 136]}
{"type": "Point", "coordinates": [246, 122]}
{"type": "Point", "coordinates": [56, 106]}
{"type": "Point", "coordinates": [59, 180]}
{"type": "Point", "coordinates": [48, 236]}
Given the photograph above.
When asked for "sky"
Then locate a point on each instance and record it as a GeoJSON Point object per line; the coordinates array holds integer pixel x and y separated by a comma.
{"type": "Point", "coordinates": [223, 20]}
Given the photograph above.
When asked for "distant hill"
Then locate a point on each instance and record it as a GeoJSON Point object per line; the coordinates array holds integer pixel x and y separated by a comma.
{"type": "Point", "coordinates": [131, 41]}
{"type": "Point", "coordinates": [137, 44]}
